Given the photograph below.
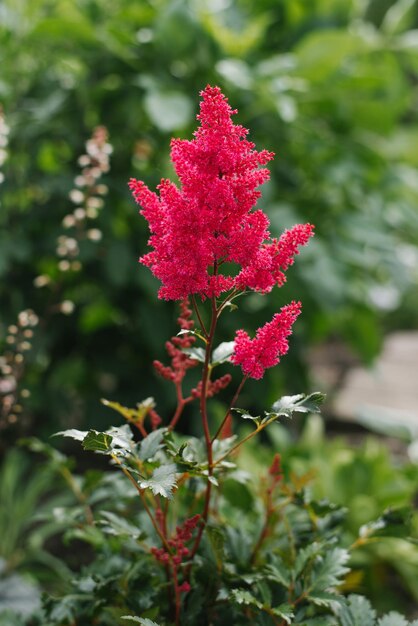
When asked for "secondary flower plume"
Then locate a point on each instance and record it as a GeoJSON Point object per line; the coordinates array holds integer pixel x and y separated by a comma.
{"type": "Point", "coordinates": [211, 220]}
{"type": "Point", "coordinates": [270, 343]}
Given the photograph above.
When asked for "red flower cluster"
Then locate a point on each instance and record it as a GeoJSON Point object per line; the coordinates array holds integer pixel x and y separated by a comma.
{"type": "Point", "coordinates": [270, 343]}
{"type": "Point", "coordinates": [210, 220]}
{"type": "Point", "coordinates": [180, 361]}
{"type": "Point", "coordinates": [178, 549]}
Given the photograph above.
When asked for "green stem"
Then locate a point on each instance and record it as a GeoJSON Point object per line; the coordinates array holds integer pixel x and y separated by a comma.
{"type": "Point", "coordinates": [205, 423]}
{"type": "Point", "coordinates": [145, 505]}
{"type": "Point", "coordinates": [259, 428]}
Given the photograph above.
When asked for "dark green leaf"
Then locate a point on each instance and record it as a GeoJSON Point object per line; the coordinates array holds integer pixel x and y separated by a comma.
{"type": "Point", "coordinates": [96, 441]}
{"type": "Point", "coordinates": [330, 570]}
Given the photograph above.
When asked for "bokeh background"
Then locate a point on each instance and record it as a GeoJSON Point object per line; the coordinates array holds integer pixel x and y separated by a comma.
{"type": "Point", "coordinates": [331, 86]}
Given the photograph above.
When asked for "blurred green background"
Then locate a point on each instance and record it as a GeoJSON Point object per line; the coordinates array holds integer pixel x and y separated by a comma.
{"type": "Point", "coordinates": [329, 85]}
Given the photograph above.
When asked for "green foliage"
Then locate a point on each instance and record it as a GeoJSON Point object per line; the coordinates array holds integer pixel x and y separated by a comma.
{"type": "Point", "coordinates": [294, 573]}
{"type": "Point", "coordinates": [328, 86]}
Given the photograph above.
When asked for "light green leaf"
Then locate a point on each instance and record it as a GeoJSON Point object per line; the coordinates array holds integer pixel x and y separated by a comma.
{"type": "Point", "coordinates": [242, 596]}
{"type": "Point", "coordinates": [324, 598]}
{"type": "Point", "coordinates": [140, 620]}
{"type": "Point", "coordinates": [198, 354]}
{"type": "Point", "coordinates": [73, 433]}
{"type": "Point", "coordinates": [392, 619]}
{"type": "Point", "coordinates": [300, 403]}
{"type": "Point", "coordinates": [357, 611]}
{"type": "Point", "coordinates": [162, 481]}
{"type": "Point", "coordinates": [223, 352]}
{"type": "Point", "coordinates": [247, 416]}
{"type": "Point", "coordinates": [116, 525]}
{"type": "Point", "coordinates": [151, 444]}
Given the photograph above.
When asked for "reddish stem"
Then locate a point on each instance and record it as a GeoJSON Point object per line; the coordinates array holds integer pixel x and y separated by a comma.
{"type": "Point", "coordinates": [206, 431]}
{"type": "Point", "coordinates": [233, 401]}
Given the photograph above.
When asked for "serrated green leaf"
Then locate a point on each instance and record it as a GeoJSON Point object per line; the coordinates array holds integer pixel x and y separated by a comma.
{"type": "Point", "coordinates": [97, 442]}
{"type": "Point", "coordinates": [392, 619]}
{"type": "Point", "coordinates": [122, 436]}
{"type": "Point", "coordinates": [223, 352]}
{"type": "Point", "coordinates": [149, 446]}
{"type": "Point", "coordinates": [162, 481]}
{"type": "Point", "coordinates": [285, 611]}
{"type": "Point", "coordinates": [73, 433]}
{"type": "Point", "coordinates": [116, 525]}
{"type": "Point", "coordinates": [356, 611]}
{"type": "Point", "coordinates": [323, 598]}
{"type": "Point", "coordinates": [305, 555]}
{"type": "Point", "coordinates": [330, 570]}
{"type": "Point", "coordinates": [247, 416]}
{"type": "Point", "coordinates": [140, 620]}
{"type": "Point", "coordinates": [299, 403]}
{"type": "Point", "coordinates": [242, 596]}
{"type": "Point", "coordinates": [278, 571]}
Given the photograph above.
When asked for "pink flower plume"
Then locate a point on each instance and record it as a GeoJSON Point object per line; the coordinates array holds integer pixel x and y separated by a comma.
{"type": "Point", "coordinates": [270, 343]}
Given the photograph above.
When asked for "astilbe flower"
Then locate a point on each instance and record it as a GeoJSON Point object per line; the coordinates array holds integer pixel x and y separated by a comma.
{"type": "Point", "coordinates": [180, 361]}
{"type": "Point", "coordinates": [270, 343]}
{"type": "Point", "coordinates": [210, 219]}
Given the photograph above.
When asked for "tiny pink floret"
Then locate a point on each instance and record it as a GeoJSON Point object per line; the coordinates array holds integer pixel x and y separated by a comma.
{"type": "Point", "coordinates": [270, 343]}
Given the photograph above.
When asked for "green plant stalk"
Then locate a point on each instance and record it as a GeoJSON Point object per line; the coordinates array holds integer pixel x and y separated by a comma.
{"type": "Point", "coordinates": [255, 432]}
{"type": "Point", "coordinates": [205, 423]}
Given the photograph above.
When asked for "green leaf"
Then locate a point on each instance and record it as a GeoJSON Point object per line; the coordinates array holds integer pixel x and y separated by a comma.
{"type": "Point", "coordinates": [278, 571]}
{"type": "Point", "coordinates": [392, 619]}
{"type": "Point", "coordinates": [73, 433]}
{"type": "Point", "coordinates": [116, 525]}
{"type": "Point", "coordinates": [330, 570]}
{"type": "Point", "coordinates": [299, 403]}
{"type": "Point", "coordinates": [151, 444]}
{"type": "Point", "coordinates": [247, 416]}
{"type": "Point", "coordinates": [223, 352]}
{"type": "Point", "coordinates": [132, 415]}
{"type": "Point", "coordinates": [162, 481]}
{"type": "Point", "coordinates": [242, 596]}
{"type": "Point", "coordinates": [140, 620]}
{"type": "Point", "coordinates": [97, 442]}
{"type": "Point", "coordinates": [356, 611]}
{"type": "Point", "coordinates": [324, 598]}
{"type": "Point", "coordinates": [392, 523]}
{"type": "Point", "coordinates": [285, 611]}
{"type": "Point", "coordinates": [198, 354]}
